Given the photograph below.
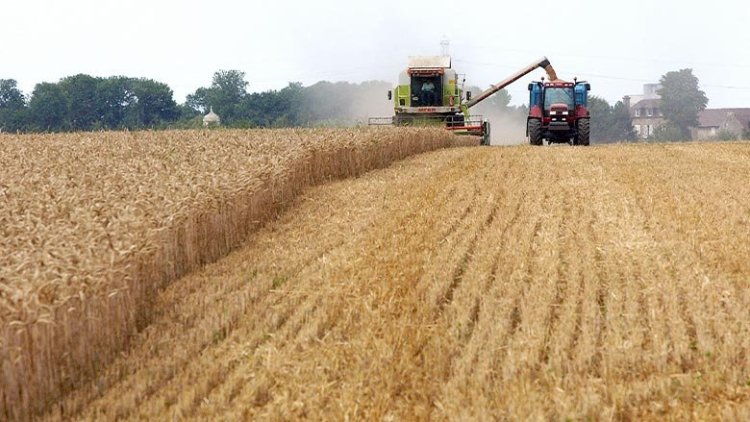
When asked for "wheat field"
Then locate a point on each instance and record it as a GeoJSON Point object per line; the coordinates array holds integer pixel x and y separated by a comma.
{"type": "Point", "coordinates": [93, 225]}
{"type": "Point", "coordinates": [607, 283]}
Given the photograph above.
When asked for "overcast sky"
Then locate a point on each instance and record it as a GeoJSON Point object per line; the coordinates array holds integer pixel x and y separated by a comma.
{"type": "Point", "coordinates": [617, 46]}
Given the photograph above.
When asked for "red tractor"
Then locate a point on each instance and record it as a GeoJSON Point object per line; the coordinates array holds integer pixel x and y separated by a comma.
{"type": "Point", "coordinates": [558, 113]}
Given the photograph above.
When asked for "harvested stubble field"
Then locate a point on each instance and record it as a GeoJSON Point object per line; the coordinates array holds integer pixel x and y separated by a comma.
{"type": "Point", "coordinates": [92, 226]}
{"type": "Point", "coordinates": [472, 283]}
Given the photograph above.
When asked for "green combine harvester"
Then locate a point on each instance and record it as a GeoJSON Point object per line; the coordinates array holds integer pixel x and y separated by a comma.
{"type": "Point", "coordinates": [429, 93]}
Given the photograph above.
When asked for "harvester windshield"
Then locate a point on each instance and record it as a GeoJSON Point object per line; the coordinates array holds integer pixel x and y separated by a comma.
{"type": "Point", "coordinates": [426, 91]}
{"type": "Point", "coordinates": [558, 95]}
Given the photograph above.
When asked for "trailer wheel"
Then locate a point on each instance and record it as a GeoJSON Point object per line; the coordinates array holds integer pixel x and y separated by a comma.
{"type": "Point", "coordinates": [534, 128]}
{"type": "Point", "coordinates": [584, 132]}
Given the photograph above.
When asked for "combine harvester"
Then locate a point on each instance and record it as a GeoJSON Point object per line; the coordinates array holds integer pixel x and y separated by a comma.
{"type": "Point", "coordinates": [429, 93]}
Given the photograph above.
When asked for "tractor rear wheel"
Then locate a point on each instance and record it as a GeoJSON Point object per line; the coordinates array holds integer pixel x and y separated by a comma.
{"type": "Point", "coordinates": [584, 132]}
{"type": "Point", "coordinates": [534, 128]}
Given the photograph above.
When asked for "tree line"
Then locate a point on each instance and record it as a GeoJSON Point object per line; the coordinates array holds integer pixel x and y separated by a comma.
{"type": "Point", "coordinates": [83, 103]}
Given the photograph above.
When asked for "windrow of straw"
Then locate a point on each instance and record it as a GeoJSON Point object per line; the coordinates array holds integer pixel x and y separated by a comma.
{"type": "Point", "coordinates": [93, 225]}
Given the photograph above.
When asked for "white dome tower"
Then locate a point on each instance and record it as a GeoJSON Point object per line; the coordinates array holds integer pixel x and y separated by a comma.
{"type": "Point", "coordinates": [211, 119]}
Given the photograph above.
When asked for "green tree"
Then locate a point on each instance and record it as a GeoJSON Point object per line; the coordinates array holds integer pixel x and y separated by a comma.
{"type": "Point", "coordinates": [12, 106]}
{"type": "Point", "coordinates": [11, 97]}
{"type": "Point", "coordinates": [198, 100]}
{"type": "Point", "coordinates": [609, 123]}
{"type": "Point", "coordinates": [226, 95]}
{"type": "Point", "coordinates": [267, 109]}
{"type": "Point", "coordinates": [289, 106]}
{"type": "Point", "coordinates": [188, 116]}
{"type": "Point", "coordinates": [682, 100]}
{"type": "Point", "coordinates": [231, 84]}
{"type": "Point", "coordinates": [153, 103]}
{"type": "Point", "coordinates": [84, 108]}
{"type": "Point", "coordinates": [48, 108]}
{"type": "Point", "coordinates": [621, 124]}
{"type": "Point", "coordinates": [498, 101]}
{"type": "Point", "coordinates": [601, 119]}
{"type": "Point", "coordinates": [114, 96]}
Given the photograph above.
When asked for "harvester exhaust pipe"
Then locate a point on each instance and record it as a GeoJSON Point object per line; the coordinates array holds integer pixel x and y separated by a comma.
{"type": "Point", "coordinates": [542, 63]}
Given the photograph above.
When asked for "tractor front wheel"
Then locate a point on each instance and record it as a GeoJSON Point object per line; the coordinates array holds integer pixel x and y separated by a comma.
{"type": "Point", "coordinates": [534, 128]}
{"type": "Point", "coordinates": [584, 132]}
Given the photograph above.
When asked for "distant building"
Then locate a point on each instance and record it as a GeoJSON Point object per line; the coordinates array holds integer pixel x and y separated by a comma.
{"type": "Point", "coordinates": [211, 119]}
{"type": "Point", "coordinates": [645, 110]}
{"type": "Point", "coordinates": [729, 121]}
{"type": "Point", "coordinates": [650, 92]}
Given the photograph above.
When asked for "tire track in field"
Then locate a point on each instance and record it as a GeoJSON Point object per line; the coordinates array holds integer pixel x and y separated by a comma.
{"type": "Point", "coordinates": [472, 364]}
{"type": "Point", "coordinates": [573, 255]}
{"type": "Point", "coordinates": [460, 316]}
{"type": "Point", "coordinates": [473, 341]}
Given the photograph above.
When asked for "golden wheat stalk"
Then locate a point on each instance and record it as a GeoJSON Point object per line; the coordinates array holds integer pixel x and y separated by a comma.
{"type": "Point", "coordinates": [93, 225]}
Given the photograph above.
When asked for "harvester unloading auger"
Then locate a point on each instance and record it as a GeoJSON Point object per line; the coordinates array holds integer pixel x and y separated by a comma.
{"type": "Point", "coordinates": [429, 93]}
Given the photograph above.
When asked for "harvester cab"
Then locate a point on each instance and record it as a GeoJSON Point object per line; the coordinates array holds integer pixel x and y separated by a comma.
{"type": "Point", "coordinates": [429, 93]}
{"type": "Point", "coordinates": [558, 112]}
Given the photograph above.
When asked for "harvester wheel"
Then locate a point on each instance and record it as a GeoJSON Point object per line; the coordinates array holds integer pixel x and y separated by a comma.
{"type": "Point", "coordinates": [486, 133]}
{"type": "Point", "coordinates": [534, 127]}
{"type": "Point", "coordinates": [584, 132]}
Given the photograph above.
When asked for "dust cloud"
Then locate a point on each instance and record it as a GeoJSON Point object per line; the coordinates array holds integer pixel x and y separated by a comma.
{"type": "Point", "coordinates": [507, 123]}
{"type": "Point", "coordinates": [507, 128]}
{"type": "Point", "coordinates": [347, 104]}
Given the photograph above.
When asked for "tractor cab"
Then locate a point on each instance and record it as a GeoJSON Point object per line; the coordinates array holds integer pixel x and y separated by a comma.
{"type": "Point", "coordinates": [558, 98]}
